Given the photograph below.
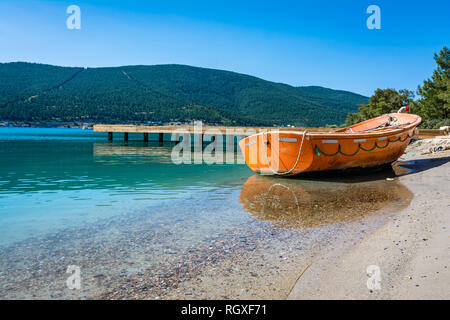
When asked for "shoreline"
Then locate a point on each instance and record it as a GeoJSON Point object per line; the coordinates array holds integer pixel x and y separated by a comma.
{"type": "Point", "coordinates": [411, 248]}
{"type": "Point", "coordinates": [181, 252]}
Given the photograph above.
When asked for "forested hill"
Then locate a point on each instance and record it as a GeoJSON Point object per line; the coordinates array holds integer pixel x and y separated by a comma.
{"type": "Point", "coordinates": [131, 94]}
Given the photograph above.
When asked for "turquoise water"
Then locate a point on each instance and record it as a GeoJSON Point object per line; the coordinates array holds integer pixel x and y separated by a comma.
{"type": "Point", "coordinates": [53, 179]}
{"type": "Point", "coordinates": [141, 227]}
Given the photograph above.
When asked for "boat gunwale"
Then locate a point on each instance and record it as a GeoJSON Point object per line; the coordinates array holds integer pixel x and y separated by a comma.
{"type": "Point", "coordinates": [355, 135]}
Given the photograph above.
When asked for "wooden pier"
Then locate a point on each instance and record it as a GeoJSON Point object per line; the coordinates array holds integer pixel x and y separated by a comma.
{"type": "Point", "coordinates": [177, 131]}
{"type": "Point", "coordinates": [225, 130]}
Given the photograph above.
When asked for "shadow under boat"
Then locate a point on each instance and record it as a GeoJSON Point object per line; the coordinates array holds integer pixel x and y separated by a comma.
{"type": "Point", "coordinates": [293, 203]}
{"type": "Point", "coordinates": [419, 165]}
{"type": "Point", "coordinates": [390, 170]}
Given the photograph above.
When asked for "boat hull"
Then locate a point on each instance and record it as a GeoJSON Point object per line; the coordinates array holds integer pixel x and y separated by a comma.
{"type": "Point", "coordinates": [294, 152]}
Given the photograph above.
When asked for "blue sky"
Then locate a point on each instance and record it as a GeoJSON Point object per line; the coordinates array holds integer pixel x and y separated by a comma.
{"type": "Point", "coordinates": [308, 42]}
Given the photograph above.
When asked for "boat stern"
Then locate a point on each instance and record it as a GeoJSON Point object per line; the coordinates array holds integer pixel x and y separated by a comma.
{"type": "Point", "coordinates": [277, 152]}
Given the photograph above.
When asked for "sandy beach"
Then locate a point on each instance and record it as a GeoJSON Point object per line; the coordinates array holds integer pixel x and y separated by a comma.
{"type": "Point", "coordinates": [411, 249]}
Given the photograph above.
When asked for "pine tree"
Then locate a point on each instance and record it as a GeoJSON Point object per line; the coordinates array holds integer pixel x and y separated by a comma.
{"type": "Point", "coordinates": [381, 102]}
{"type": "Point", "coordinates": [435, 97]}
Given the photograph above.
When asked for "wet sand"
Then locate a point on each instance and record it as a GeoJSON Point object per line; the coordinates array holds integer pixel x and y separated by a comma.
{"type": "Point", "coordinates": [411, 248]}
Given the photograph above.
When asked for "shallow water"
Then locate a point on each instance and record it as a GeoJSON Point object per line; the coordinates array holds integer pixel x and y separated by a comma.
{"type": "Point", "coordinates": [297, 203]}
{"type": "Point", "coordinates": [140, 226]}
{"type": "Point", "coordinates": [58, 178]}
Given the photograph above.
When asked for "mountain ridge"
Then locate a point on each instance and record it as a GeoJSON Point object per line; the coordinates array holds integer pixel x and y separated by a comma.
{"type": "Point", "coordinates": [169, 92]}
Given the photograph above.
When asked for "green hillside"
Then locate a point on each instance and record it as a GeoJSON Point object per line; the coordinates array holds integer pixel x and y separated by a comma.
{"type": "Point", "coordinates": [37, 92]}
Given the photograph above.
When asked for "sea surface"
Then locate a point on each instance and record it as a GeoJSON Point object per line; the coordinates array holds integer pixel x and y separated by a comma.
{"type": "Point", "coordinates": [139, 226]}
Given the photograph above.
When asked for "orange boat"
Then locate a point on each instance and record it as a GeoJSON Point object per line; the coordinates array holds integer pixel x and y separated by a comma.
{"type": "Point", "coordinates": [370, 143]}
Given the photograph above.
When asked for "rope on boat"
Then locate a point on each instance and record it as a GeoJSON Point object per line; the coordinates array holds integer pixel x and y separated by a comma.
{"type": "Point", "coordinates": [296, 162]}
{"type": "Point", "coordinates": [386, 124]}
{"type": "Point", "coordinates": [388, 141]}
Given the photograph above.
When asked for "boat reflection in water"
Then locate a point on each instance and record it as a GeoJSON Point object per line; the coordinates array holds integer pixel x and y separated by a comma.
{"type": "Point", "coordinates": [296, 203]}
